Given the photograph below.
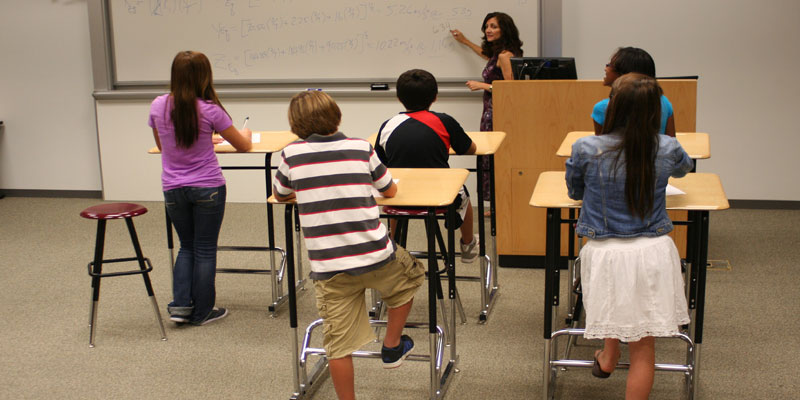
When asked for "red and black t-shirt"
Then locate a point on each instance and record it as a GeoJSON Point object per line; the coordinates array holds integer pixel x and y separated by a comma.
{"type": "Point", "coordinates": [420, 139]}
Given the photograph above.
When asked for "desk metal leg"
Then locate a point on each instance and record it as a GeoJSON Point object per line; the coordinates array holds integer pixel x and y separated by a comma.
{"type": "Point", "coordinates": [275, 279]}
{"type": "Point", "coordinates": [301, 280]}
{"type": "Point", "coordinates": [702, 260]}
{"type": "Point", "coordinates": [290, 263]}
{"type": "Point", "coordinates": [451, 279]}
{"type": "Point", "coordinates": [488, 265]}
{"type": "Point", "coordinates": [431, 235]}
{"type": "Point", "coordinates": [551, 292]}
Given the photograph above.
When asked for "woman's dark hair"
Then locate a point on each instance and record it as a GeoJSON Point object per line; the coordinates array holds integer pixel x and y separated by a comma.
{"type": "Point", "coordinates": [633, 59]}
{"type": "Point", "coordinates": [634, 113]}
{"type": "Point", "coordinates": [190, 80]}
{"type": "Point", "coordinates": [509, 36]}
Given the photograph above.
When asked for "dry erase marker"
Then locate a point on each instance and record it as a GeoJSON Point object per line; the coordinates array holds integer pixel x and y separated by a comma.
{"type": "Point", "coordinates": [244, 125]}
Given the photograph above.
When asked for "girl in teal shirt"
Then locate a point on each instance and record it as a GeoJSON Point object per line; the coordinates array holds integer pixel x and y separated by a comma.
{"type": "Point", "coordinates": [626, 60]}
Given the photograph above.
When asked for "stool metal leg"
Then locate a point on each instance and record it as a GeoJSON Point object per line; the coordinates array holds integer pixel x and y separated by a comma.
{"type": "Point", "coordinates": [460, 307]}
{"type": "Point", "coordinates": [97, 268]}
{"type": "Point", "coordinates": [146, 275]}
{"type": "Point", "coordinates": [447, 260]}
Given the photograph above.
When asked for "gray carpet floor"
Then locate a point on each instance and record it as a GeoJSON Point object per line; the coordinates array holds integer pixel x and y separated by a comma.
{"type": "Point", "coordinates": [749, 348]}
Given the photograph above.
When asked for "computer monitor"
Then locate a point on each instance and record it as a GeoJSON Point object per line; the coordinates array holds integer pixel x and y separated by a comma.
{"type": "Point", "coordinates": [525, 68]}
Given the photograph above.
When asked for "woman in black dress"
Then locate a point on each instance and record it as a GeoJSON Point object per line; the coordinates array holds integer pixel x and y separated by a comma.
{"type": "Point", "coordinates": [500, 42]}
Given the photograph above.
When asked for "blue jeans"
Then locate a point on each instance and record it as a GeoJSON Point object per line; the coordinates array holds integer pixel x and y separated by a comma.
{"type": "Point", "coordinates": [196, 213]}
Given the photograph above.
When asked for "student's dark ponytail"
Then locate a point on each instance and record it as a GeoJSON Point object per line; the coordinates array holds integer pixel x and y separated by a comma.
{"type": "Point", "coordinates": [190, 80]}
{"type": "Point", "coordinates": [634, 113]}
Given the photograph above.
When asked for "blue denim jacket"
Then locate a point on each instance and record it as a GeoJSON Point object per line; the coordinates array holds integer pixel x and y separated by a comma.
{"type": "Point", "coordinates": [604, 213]}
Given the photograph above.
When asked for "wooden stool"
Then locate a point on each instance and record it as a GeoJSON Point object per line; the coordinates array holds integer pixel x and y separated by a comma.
{"type": "Point", "coordinates": [102, 213]}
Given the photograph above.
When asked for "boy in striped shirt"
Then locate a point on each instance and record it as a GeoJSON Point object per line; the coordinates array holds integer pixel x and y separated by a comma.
{"type": "Point", "coordinates": [349, 249]}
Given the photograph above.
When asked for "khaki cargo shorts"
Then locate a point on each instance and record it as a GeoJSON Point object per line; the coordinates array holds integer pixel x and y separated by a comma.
{"type": "Point", "coordinates": [341, 301]}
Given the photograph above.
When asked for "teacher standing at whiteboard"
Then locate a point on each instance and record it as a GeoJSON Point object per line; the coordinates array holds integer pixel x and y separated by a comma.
{"type": "Point", "coordinates": [500, 42]}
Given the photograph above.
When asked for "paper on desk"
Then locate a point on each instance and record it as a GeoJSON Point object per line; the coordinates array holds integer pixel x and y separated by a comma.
{"type": "Point", "coordinates": [673, 191]}
{"type": "Point", "coordinates": [256, 139]}
{"type": "Point", "coordinates": [376, 194]}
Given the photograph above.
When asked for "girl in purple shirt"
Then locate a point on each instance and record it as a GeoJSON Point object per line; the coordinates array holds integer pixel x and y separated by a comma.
{"type": "Point", "coordinates": [183, 122]}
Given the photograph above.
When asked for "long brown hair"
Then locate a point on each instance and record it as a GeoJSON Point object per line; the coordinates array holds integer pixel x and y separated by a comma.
{"type": "Point", "coordinates": [190, 80]}
{"type": "Point", "coordinates": [509, 36]}
{"type": "Point", "coordinates": [634, 113]}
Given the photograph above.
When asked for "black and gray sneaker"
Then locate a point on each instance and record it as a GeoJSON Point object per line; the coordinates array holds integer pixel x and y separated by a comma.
{"type": "Point", "coordinates": [393, 357]}
{"type": "Point", "coordinates": [215, 314]}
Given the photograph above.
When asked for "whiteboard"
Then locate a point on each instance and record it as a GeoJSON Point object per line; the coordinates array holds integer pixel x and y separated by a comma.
{"type": "Point", "coordinates": [304, 41]}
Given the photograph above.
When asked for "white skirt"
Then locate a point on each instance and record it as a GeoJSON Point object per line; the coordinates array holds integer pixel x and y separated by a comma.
{"type": "Point", "coordinates": [632, 288]}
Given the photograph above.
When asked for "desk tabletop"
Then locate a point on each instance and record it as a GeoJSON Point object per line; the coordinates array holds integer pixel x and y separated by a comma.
{"type": "Point", "coordinates": [271, 142]}
{"type": "Point", "coordinates": [421, 187]}
{"type": "Point", "coordinates": [703, 192]}
{"type": "Point", "coordinates": [486, 143]}
{"type": "Point", "coordinates": [696, 144]}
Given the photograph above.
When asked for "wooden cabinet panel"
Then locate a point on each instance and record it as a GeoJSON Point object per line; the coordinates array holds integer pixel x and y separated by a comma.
{"type": "Point", "coordinates": [527, 233]}
{"type": "Point", "coordinates": [536, 116]}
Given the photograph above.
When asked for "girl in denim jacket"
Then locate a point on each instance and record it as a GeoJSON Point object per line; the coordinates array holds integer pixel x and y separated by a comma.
{"type": "Point", "coordinates": [630, 269]}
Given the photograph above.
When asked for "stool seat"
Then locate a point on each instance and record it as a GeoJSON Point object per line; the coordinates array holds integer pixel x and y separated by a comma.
{"type": "Point", "coordinates": [413, 211]}
{"type": "Point", "coordinates": [113, 211]}
{"type": "Point", "coordinates": [101, 213]}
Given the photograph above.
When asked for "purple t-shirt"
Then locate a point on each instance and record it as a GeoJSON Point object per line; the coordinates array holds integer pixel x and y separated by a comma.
{"type": "Point", "coordinates": [196, 166]}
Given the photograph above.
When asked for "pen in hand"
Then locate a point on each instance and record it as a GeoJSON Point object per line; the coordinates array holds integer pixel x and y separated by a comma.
{"type": "Point", "coordinates": [246, 132]}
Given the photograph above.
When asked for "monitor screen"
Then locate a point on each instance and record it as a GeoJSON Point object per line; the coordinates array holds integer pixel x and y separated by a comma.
{"type": "Point", "coordinates": [543, 68]}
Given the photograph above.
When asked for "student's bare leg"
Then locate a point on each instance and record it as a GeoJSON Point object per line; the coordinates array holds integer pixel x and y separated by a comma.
{"type": "Point", "coordinates": [392, 227]}
{"type": "Point", "coordinates": [466, 227]}
{"type": "Point", "coordinates": [342, 376]}
{"type": "Point", "coordinates": [394, 326]}
{"type": "Point", "coordinates": [643, 365]}
{"type": "Point", "coordinates": [609, 356]}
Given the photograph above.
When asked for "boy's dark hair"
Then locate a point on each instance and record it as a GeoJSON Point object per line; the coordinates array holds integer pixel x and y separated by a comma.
{"type": "Point", "coordinates": [417, 89]}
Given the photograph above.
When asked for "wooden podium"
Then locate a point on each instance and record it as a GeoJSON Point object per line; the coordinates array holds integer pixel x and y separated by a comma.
{"type": "Point", "coordinates": [536, 116]}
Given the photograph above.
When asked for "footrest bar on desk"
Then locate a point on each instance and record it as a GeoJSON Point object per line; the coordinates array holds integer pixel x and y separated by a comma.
{"type": "Point", "coordinates": [309, 378]}
{"type": "Point", "coordinates": [278, 298]}
{"type": "Point", "coordinates": [689, 369]}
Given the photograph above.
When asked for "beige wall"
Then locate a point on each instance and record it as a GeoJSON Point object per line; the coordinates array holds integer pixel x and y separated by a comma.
{"type": "Point", "coordinates": [745, 52]}
{"type": "Point", "coordinates": [131, 174]}
{"type": "Point", "coordinates": [50, 140]}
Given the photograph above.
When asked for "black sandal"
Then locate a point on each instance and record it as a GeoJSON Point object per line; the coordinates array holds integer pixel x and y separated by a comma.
{"type": "Point", "coordinates": [597, 371]}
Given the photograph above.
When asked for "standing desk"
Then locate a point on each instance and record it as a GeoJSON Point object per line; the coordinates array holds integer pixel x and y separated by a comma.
{"type": "Point", "coordinates": [704, 193]}
{"type": "Point", "coordinates": [417, 187]}
{"type": "Point", "coordinates": [696, 144]}
{"type": "Point", "coordinates": [486, 145]}
{"type": "Point", "coordinates": [271, 142]}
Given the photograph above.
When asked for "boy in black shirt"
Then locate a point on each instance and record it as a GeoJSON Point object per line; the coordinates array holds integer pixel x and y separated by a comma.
{"type": "Point", "coordinates": [419, 138]}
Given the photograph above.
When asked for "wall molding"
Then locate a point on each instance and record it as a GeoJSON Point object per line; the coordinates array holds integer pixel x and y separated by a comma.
{"type": "Point", "coordinates": [85, 194]}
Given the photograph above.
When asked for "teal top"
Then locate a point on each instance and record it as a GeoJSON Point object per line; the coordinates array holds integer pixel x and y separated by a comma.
{"type": "Point", "coordinates": [599, 112]}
